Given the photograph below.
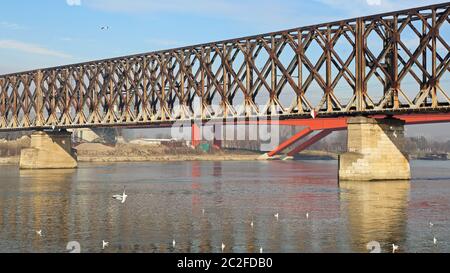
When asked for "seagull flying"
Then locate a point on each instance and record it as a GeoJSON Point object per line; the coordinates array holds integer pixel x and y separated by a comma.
{"type": "Point", "coordinates": [122, 197]}
{"type": "Point", "coordinates": [277, 216]}
{"type": "Point", "coordinates": [39, 232]}
{"type": "Point", "coordinates": [394, 248]}
{"type": "Point", "coordinates": [105, 244]}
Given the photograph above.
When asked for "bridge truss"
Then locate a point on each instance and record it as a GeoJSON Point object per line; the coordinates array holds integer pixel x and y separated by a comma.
{"type": "Point", "coordinates": [390, 63]}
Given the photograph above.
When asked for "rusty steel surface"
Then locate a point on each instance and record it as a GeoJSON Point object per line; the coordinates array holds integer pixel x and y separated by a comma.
{"type": "Point", "coordinates": [392, 63]}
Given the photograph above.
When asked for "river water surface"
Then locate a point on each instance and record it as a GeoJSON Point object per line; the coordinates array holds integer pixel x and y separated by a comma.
{"type": "Point", "coordinates": [202, 204]}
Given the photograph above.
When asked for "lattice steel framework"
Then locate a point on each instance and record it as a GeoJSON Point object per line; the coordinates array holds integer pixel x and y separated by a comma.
{"type": "Point", "coordinates": [387, 63]}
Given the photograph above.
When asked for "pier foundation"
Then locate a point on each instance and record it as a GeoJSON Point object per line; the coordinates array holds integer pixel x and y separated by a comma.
{"type": "Point", "coordinates": [49, 150]}
{"type": "Point", "coordinates": [375, 151]}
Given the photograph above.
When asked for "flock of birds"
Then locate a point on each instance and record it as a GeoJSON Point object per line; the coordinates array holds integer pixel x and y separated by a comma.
{"type": "Point", "coordinates": [395, 247]}
{"type": "Point", "coordinates": [123, 197]}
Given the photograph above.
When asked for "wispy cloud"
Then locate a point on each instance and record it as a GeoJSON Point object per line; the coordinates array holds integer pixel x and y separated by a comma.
{"type": "Point", "coordinates": [32, 49]}
{"type": "Point", "coordinates": [73, 2]}
{"type": "Point", "coordinates": [9, 25]}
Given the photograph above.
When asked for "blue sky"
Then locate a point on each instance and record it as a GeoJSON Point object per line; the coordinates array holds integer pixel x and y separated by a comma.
{"type": "Point", "coordinates": [44, 33]}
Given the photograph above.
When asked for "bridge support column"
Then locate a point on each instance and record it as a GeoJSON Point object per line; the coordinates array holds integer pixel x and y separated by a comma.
{"type": "Point", "coordinates": [195, 135]}
{"type": "Point", "coordinates": [375, 151]}
{"type": "Point", "coordinates": [218, 136]}
{"type": "Point", "coordinates": [49, 150]}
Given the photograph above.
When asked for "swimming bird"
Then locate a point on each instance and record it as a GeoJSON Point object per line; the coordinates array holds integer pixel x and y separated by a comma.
{"type": "Point", "coordinates": [39, 232]}
{"type": "Point", "coordinates": [174, 243]}
{"type": "Point", "coordinates": [223, 247]}
{"type": "Point", "coordinates": [435, 240]}
{"type": "Point", "coordinates": [277, 216]}
{"type": "Point", "coordinates": [122, 197]}
{"type": "Point", "coordinates": [394, 248]}
{"type": "Point", "coordinates": [105, 244]}
{"type": "Point", "coordinates": [261, 250]}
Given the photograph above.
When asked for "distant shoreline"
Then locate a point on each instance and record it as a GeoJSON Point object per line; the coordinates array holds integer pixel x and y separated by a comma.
{"type": "Point", "coordinates": [126, 152]}
{"type": "Point", "coordinates": [4, 161]}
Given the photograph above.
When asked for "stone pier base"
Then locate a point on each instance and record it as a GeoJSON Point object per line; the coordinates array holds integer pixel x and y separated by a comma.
{"type": "Point", "coordinates": [375, 151]}
{"type": "Point", "coordinates": [49, 150]}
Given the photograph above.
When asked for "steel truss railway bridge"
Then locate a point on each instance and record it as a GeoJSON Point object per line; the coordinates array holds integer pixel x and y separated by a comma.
{"type": "Point", "coordinates": [370, 75]}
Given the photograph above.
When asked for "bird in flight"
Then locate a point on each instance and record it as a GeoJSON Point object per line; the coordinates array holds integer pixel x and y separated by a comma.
{"type": "Point", "coordinates": [277, 216]}
{"type": "Point", "coordinates": [121, 197]}
{"type": "Point", "coordinates": [39, 232]}
{"type": "Point", "coordinates": [105, 244]}
{"type": "Point", "coordinates": [104, 28]}
{"type": "Point", "coordinates": [394, 248]}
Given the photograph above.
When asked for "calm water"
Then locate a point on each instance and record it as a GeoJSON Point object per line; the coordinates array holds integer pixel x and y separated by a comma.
{"type": "Point", "coordinates": [166, 202]}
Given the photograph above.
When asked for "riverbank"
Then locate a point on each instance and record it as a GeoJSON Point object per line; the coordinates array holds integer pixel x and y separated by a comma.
{"type": "Point", "coordinates": [129, 152]}
{"type": "Point", "coordinates": [92, 152]}
{"type": "Point", "coordinates": [10, 160]}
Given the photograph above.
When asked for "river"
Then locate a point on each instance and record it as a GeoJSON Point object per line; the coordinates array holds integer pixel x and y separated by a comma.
{"type": "Point", "coordinates": [201, 205]}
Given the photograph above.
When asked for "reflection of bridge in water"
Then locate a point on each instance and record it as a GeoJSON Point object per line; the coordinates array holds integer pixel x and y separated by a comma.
{"type": "Point", "coordinates": [376, 66]}
{"type": "Point", "coordinates": [377, 211]}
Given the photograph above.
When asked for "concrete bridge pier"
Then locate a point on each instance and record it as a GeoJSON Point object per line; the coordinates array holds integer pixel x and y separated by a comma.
{"type": "Point", "coordinates": [375, 151]}
{"type": "Point", "coordinates": [49, 150]}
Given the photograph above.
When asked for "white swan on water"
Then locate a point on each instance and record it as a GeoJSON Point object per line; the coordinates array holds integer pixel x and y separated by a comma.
{"type": "Point", "coordinates": [121, 197]}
